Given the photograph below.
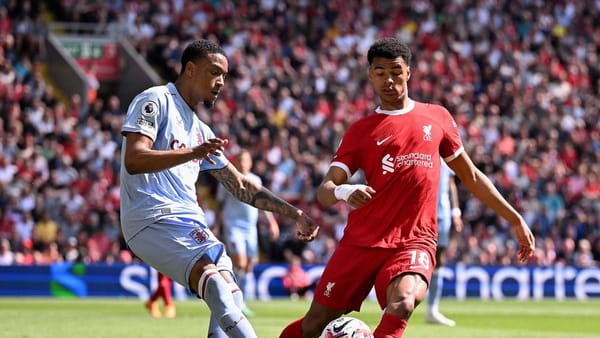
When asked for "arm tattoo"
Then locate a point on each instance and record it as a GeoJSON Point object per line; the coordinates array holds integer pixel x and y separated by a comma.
{"type": "Point", "coordinates": [259, 197]}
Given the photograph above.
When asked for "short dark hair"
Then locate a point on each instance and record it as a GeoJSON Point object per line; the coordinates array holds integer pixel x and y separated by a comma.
{"type": "Point", "coordinates": [389, 48]}
{"type": "Point", "coordinates": [199, 49]}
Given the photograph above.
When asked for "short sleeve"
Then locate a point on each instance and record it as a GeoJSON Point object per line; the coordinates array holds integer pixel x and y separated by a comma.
{"type": "Point", "coordinates": [344, 155]}
{"type": "Point", "coordinates": [144, 114]}
{"type": "Point", "coordinates": [451, 145]}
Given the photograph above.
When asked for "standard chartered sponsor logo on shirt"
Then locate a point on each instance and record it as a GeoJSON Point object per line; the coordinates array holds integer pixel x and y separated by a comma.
{"type": "Point", "coordinates": [415, 159]}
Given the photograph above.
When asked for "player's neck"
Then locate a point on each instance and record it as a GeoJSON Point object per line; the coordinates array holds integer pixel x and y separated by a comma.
{"type": "Point", "coordinates": [397, 105]}
{"type": "Point", "coordinates": [184, 94]}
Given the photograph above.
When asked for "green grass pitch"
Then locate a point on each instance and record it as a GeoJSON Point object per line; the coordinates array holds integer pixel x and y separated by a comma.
{"type": "Point", "coordinates": [109, 317]}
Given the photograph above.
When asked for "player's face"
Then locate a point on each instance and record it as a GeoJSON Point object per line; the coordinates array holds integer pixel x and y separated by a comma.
{"type": "Point", "coordinates": [389, 78]}
{"type": "Point", "coordinates": [209, 77]}
{"type": "Point", "coordinates": [245, 162]}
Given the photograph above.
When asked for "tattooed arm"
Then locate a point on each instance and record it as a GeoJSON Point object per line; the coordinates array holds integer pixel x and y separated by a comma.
{"type": "Point", "coordinates": [262, 198]}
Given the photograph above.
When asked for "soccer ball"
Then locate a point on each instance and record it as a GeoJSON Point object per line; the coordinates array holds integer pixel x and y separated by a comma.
{"type": "Point", "coordinates": [347, 327]}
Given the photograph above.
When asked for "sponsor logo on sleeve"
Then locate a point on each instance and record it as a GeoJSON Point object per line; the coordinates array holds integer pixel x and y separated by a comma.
{"type": "Point", "coordinates": [143, 122]}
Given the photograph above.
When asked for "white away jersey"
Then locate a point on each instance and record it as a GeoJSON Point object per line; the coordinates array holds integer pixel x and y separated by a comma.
{"type": "Point", "coordinates": [161, 114]}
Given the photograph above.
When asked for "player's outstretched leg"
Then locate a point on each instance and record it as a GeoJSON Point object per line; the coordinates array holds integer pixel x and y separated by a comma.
{"type": "Point", "coordinates": [216, 292]}
{"type": "Point", "coordinates": [434, 316]}
{"type": "Point", "coordinates": [214, 330]}
{"type": "Point", "coordinates": [152, 303]}
{"type": "Point", "coordinates": [165, 285]}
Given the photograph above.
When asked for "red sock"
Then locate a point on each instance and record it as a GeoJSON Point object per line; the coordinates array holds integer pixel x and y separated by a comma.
{"type": "Point", "coordinates": [165, 287]}
{"type": "Point", "coordinates": [155, 295]}
{"type": "Point", "coordinates": [293, 330]}
{"type": "Point", "coordinates": [390, 326]}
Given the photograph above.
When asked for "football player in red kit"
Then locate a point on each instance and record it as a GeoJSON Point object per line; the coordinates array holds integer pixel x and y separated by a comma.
{"type": "Point", "coordinates": [163, 290]}
{"type": "Point", "coordinates": [390, 238]}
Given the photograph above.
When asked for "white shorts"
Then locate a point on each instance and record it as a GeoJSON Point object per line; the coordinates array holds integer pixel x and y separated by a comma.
{"type": "Point", "coordinates": [241, 241]}
{"type": "Point", "coordinates": [172, 246]}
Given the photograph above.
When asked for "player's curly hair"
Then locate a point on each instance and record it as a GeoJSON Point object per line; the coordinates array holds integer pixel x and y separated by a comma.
{"type": "Point", "coordinates": [199, 49]}
{"type": "Point", "coordinates": [389, 48]}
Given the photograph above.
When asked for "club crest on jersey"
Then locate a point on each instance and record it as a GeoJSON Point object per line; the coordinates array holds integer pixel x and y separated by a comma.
{"type": "Point", "coordinates": [199, 235]}
{"type": "Point", "coordinates": [149, 109]}
{"type": "Point", "coordinates": [427, 132]}
{"type": "Point", "coordinates": [328, 288]}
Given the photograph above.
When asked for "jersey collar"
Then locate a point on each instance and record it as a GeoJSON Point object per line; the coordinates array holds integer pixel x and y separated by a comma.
{"type": "Point", "coordinates": [173, 90]}
{"type": "Point", "coordinates": [405, 110]}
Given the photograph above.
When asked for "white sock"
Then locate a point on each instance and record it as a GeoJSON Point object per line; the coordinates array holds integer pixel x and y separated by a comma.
{"type": "Point", "coordinates": [435, 291]}
{"type": "Point", "coordinates": [238, 296]}
{"type": "Point", "coordinates": [250, 290]}
{"type": "Point", "coordinates": [216, 292]}
{"type": "Point", "coordinates": [214, 330]}
{"type": "Point", "coordinates": [240, 275]}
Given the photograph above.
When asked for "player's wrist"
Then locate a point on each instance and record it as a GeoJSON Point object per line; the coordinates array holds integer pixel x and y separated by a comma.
{"type": "Point", "coordinates": [343, 191]}
{"type": "Point", "coordinates": [455, 212]}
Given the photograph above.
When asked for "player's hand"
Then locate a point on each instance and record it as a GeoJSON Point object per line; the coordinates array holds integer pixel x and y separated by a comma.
{"type": "Point", "coordinates": [526, 241]}
{"type": "Point", "coordinates": [458, 223]}
{"type": "Point", "coordinates": [212, 146]}
{"type": "Point", "coordinates": [306, 228]}
{"type": "Point", "coordinates": [361, 195]}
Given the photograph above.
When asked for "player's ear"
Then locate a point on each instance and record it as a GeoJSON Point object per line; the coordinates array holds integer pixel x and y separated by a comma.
{"type": "Point", "coordinates": [407, 73]}
{"type": "Point", "coordinates": [190, 68]}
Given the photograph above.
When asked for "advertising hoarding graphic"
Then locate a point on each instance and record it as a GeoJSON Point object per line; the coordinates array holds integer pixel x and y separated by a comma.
{"type": "Point", "coordinates": [460, 281]}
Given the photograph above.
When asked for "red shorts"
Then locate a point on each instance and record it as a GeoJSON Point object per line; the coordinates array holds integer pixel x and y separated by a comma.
{"type": "Point", "coordinates": [352, 272]}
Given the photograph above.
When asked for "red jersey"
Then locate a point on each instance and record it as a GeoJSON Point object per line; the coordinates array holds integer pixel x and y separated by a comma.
{"type": "Point", "coordinates": [399, 152]}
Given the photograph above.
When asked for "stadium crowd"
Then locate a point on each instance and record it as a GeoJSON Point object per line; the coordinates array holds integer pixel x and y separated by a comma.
{"type": "Point", "coordinates": [522, 79]}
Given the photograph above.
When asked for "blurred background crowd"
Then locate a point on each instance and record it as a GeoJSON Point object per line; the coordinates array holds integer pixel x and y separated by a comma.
{"type": "Point", "coordinates": [521, 77]}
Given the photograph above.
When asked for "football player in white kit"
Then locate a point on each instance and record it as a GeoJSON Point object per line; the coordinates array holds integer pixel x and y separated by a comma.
{"type": "Point", "coordinates": [165, 146]}
{"type": "Point", "coordinates": [448, 212]}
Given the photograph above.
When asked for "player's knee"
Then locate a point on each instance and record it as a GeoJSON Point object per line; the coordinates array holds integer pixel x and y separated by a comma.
{"type": "Point", "coordinates": [208, 283]}
{"type": "Point", "coordinates": [199, 269]}
{"type": "Point", "coordinates": [402, 308]}
{"type": "Point", "coordinates": [216, 292]}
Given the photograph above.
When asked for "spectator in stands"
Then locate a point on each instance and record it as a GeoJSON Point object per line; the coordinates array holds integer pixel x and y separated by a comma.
{"type": "Point", "coordinates": [93, 84]}
{"type": "Point", "coordinates": [45, 230]}
{"type": "Point", "coordinates": [24, 226]}
{"type": "Point", "coordinates": [296, 281]}
{"type": "Point", "coordinates": [7, 223]}
{"type": "Point", "coordinates": [26, 254]}
{"type": "Point", "coordinates": [7, 256]}
{"type": "Point", "coordinates": [583, 256]}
